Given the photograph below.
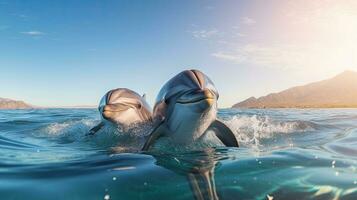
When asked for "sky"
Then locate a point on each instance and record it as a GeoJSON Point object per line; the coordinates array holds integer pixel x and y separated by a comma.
{"type": "Point", "coordinates": [67, 53]}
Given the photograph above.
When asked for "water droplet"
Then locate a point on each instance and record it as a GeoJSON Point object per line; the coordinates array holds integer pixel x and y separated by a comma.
{"type": "Point", "coordinates": [337, 173]}
{"type": "Point", "coordinates": [260, 162]}
{"type": "Point", "coordinates": [114, 178]}
{"type": "Point", "coordinates": [145, 183]}
{"type": "Point", "coordinates": [355, 182]}
{"type": "Point", "coordinates": [270, 197]}
{"type": "Point", "coordinates": [107, 197]}
{"type": "Point", "coordinates": [333, 164]}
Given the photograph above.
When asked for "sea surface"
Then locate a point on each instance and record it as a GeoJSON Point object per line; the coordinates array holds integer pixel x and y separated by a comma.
{"type": "Point", "coordinates": [283, 154]}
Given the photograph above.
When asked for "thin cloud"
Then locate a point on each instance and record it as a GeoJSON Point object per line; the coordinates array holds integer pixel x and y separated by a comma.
{"type": "Point", "coordinates": [278, 56]}
{"type": "Point", "coordinates": [289, 56]}
{"type": "Point", "coordinates": [248, 21]}
{"type": "Point", "coordinates": [22, 16]}
{"type": "Point", "coordinates": [204, 34]}
{"type": "Point", "coordinates": [33, 33]}
{"type": "Point", "coordinates": [209, 8]}
{"type": "Point", "coordinates": [236, 58]}
{"type": "Point", "coordinates": [236, 32]}
{"type": "Point", "coordinates": [240, 35]}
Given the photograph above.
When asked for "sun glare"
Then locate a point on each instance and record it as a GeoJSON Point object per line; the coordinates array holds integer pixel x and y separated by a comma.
{"type": "Point", "coordinates": [337, 32]}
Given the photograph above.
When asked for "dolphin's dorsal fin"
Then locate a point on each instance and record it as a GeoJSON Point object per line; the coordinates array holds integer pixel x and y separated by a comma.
{"type": "Point", "coordinates": [144, 96]}
{"type": "Point", "coordinates": [224, 133]}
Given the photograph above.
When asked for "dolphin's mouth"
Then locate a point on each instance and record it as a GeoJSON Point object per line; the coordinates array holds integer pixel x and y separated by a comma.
{"type": "Point", "coordinates": [110, 111]}
{"type": "Point", "coordinates": [196, 96]}
{"type": "Point", "coordinates": [115, 108]}
{"type": "Point", "coordinates": [195, 100]}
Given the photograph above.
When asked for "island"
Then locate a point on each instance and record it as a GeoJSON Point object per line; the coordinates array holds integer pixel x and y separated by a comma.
{"type": "Point", "coordinates": [13, 104]}
{"type": "Point", "coordinates": [337, 92]}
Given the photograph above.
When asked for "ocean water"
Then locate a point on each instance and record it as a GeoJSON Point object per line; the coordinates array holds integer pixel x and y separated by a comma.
{"type": "Point", "coordinates": [284, 154]}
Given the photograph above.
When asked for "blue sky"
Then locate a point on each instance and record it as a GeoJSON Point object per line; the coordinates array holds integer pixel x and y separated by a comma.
{"type": "Point", "coordinates": [63, 53]}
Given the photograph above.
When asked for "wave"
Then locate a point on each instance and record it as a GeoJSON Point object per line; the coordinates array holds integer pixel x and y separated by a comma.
{"type": "Point", "coordinates": [79, 127]}
{"type": "Point", "coordinates": [109, 138]}
{"type": "Point", "coordinates": [8, 143]}
{"type": "Point", "coordinates": [252, 129]}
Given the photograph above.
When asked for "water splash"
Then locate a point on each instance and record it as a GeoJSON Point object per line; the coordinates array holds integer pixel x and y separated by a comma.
{"type": "Point", "coordinates": [252, 129]}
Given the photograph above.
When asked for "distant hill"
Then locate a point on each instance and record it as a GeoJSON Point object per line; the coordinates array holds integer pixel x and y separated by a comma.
{"type": "Point", "coordinates": [76, 107]}
{"type": "Point", "coordinates": [339, 91]}
{"type": "Point", "coordinates": [13, 104]}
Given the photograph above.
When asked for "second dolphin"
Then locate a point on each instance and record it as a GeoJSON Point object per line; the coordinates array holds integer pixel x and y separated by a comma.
{"type": "Point", "coordinates": [124, 108]}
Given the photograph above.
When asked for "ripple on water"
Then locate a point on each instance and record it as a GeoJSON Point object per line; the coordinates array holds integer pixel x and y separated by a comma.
{"type": "Point", "coordinates": [284, 154]}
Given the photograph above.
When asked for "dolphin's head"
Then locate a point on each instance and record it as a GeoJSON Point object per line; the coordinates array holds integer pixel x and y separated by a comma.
{"type": "Point", "coordinates": [124, 107]}
{"type": "Point", "coordinates": [187, 103]}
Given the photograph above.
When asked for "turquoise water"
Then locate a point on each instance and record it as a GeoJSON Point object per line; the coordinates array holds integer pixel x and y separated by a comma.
{"type": "Point", "coordinates": [284, 154]}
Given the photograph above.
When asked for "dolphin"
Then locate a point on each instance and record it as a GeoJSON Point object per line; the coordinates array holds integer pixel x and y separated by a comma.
{"type": "Point", "coordinates": [185, 108]}
{"type": "Point", "coordinates": [124, 108]}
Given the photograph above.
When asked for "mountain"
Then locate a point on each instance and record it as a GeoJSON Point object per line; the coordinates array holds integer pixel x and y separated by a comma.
{"type": "Point", "coordinates": [77, 107]}
{"type": "Point", "coordinates": [13, 104]}
{"type": "Point", "coordinates": [339, 91]}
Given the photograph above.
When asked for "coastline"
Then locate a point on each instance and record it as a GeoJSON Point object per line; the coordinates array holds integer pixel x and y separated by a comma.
{"type": "Point", "coordinates": [299, 107]}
